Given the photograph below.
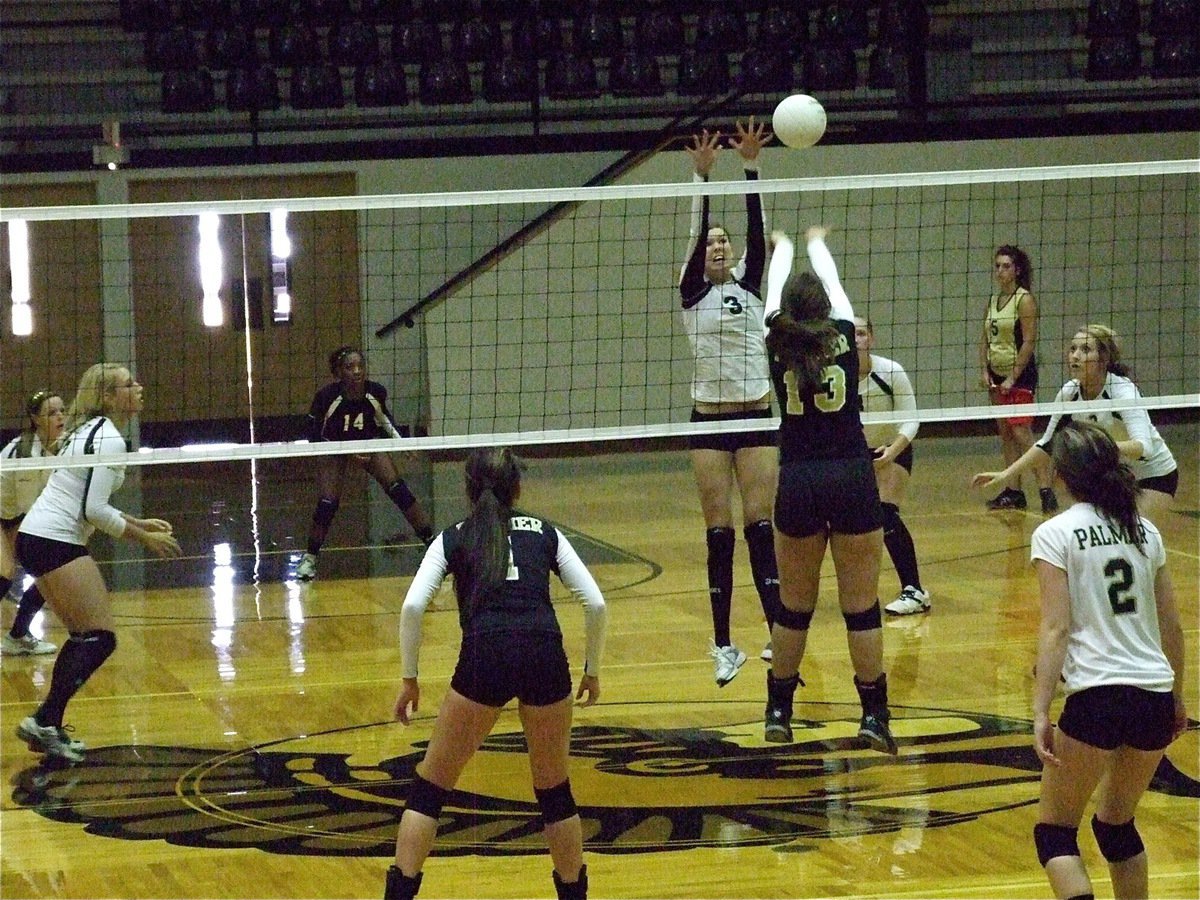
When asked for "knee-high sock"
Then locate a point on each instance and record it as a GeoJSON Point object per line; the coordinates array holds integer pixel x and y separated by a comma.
{"type": "Point", "coordinates": [760, 540]}
{"type": "Point", "coordinates": [31, 603]}
{"type": "Point", "coordinates": [720, 581]}
{"type": "Point", "coordinates": [900, 547]}
{"type": "Point", "coordinates": [79, 658]}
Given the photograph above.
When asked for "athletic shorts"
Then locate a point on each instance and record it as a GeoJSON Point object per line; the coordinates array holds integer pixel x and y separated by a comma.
{"type": "Point", "coordinates": [905, 459]}
{"type": "Point", "coordinates": [39, 556]}
{"type": "Point", "coordinates": [1022, 392]}
{"type": "Point", "coordinates": [1115, 715]}
{"type": "Point", "coordinates": [835, 494]}
{"type": "Point", "coordinates": [1166, 484]}
{"type": "Point", "coordinates": [733, 441]}
{"type": "Point", "coordinates": [494, 668]}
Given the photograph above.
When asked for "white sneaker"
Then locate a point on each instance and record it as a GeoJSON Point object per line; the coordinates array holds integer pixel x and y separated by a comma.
{"type": "Point", "coordinates": [726, 663]}
{"type": "Point", "coordinates": [910, 602]}
{"type": "Point", "coordinates": [50, 740]}
{"type": "Point", "coordinates": [307, 570]}
{"type": "Point", "coordinates": [768, 653]}
{"type": "Point", "coordinates": [25, 646]}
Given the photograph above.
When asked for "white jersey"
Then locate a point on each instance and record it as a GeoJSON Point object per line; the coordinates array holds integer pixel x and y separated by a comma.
{"type": "Point", "coordinates": [1114, 636]}
{"type": "Point", "coordinates": [75, 502]}
{"type": "Point", "coordinates": [886, 388]}
{"type": "Point", "coordinates": [20, 487]}
{"type": "Point", "coordinates": [1122, 425]}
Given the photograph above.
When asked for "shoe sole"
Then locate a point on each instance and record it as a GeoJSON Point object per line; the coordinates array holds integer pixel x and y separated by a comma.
{"type": "Point", "coordinates": [777, 734]}
{"type": "Point", "coordinates": [915, 612]}
{"type": "Point", "coordinates": [879, 742]}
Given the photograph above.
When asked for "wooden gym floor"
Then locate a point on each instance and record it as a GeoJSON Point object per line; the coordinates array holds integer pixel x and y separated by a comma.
{"type": "Point", "coordinates": [240, 742]}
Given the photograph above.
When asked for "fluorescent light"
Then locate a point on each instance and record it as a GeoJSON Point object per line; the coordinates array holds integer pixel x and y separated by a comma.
{"type": "Point", "coordinates": [211, 269]}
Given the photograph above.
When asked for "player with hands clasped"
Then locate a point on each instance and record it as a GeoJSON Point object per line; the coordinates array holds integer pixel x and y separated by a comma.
{"type": "Point", "coordinates": [722, 310]}
{"type": "Point", "coordinates": [1111, 629]}
{"type": "Point", "coordinates": [501, 560]}
{"type": "Point", "coordinates": [52, 546]}
{"type": "Point", "coordinates": [353, 408]}
{"type": "Point", "coordinates": [883, 386]}
{"type": "Point", "coordinates": [827, 494]}
{"type": "Point", "coordinates": [44, 416]}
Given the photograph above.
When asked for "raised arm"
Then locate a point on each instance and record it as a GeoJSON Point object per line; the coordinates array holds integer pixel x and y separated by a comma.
{"type": "Point", "coordinates": [782, 253]}
{"type": "Point", "coordinates": [703, 153]}
{"type": "Point", "coordinates": [826, 269]}
{"type": "Point", "coordinates": [748, 140]}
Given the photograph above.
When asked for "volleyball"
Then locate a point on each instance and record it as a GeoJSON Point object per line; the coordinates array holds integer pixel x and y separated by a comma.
{"type": "Point", "coordinates": [799, 120]}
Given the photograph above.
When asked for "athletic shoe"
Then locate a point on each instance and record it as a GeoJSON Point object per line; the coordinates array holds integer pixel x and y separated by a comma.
{"type": "Point", "coordinates": [767, 654]}
{"type": "Point", "coordinates": [875, 731]}
{"type": "Point", "coordinates": [1009, 498]}
{"type": "Point", "coordinates": [50, 740]}
{"type": "Point", "coordinates": [25, 646]}
{"type": "Point", "coordinates": [307, 570]}
{"type": "Point", "coordinates": [778, 728]}
{"type": "Point", "coordinates": [911, 601]}
{"type": "Point", "coordinates": [1049, 500]}
{"type": "Point", "coordinates": [726, 663]}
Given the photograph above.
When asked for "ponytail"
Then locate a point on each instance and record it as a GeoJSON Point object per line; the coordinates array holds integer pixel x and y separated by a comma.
{"type": "Point", "coordinates": [801, 335]}
{"type": "Point", "coordinates": [480, 560]}
{"type": "Point", "coordinates": [1089, 463]}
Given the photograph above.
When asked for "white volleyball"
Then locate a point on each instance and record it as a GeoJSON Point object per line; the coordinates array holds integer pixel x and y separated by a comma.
{"type": "Point", "coordinates": [799, 120]}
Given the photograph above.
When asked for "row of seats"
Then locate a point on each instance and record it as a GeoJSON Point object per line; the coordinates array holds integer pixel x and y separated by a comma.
{"type": "Point", "coordinates": [517, 79]}
{"type": "Point", "coordinates": [660, 31]}
{"type": "Point", "coordinates": [1115, 29]}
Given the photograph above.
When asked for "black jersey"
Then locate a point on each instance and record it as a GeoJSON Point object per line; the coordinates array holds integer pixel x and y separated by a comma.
{"type": "Point", "coordinates": [336, 417]}
{"type": "Point", "coordinates": [827, 424]}
{"type": "Point", "coordinates": [523, 601]}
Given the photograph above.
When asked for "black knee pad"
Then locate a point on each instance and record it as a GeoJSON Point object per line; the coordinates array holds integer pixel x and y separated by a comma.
{"type": "Point", "coordinates": [400, 494]}
{"type": "Point", "coordinates": [793, 619]}
{"type": "Point", "coordinates": [1117, 843]}
{"type": "Point", "coordinates": [425, 797]}
{"type": "Point", "coordinates": [720, 542]}
{"type": "Point", "coordinates": [891, 517]}
{"type": "Point", "coordinates": [867, 620]}
{"type": "Point", "coordinates": [557, 803]}
{"type": "Point", "coordinates": [325, 511]}
{"type": "Point", "coordinates": [100, 643]}
{"type": "Point", "coordinates": [1054, 840]}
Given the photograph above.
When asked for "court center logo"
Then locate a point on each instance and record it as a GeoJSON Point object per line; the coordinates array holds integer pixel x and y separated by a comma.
{"type": "Point", "coordinates": [640, 787]}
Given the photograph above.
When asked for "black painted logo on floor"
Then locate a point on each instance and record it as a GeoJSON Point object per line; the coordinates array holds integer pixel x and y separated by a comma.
{"type": "Point", "coordinates": [639, 788]}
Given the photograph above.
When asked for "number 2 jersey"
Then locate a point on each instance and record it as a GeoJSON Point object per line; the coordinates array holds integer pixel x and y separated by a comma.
{"type": "Point", "coordinates": [336, 417]}
{"type": "Point", "coordinates": [1114, 635]}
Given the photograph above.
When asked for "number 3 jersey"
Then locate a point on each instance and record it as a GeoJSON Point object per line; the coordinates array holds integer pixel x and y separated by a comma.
{"type": "Point", "coordinates": [336, 417]}
{"type": "Point", "coordinates": [1114, 636]}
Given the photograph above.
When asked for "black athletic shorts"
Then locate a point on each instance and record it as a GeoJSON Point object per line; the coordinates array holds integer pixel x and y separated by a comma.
{"type": "Point", "coordinates": [39, 555]}
{"type": "Point", "coordinates": [494, 668]}
{"type": "Point", "coordinates": [733, 441]}
{"type": "Point", "coordinates": [1166, 484]}
{"type": "Point", "coordinates": [838, 494]}
{"type": "Point", "coordinates": [1115, 715]}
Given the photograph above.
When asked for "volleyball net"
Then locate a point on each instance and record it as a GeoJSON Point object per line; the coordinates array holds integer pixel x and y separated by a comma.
{"type": "Point", "coordinates": [553, 316]}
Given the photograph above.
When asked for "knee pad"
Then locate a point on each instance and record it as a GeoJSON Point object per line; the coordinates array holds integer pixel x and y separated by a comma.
{"type": "Point", "coordinates": [100, 643]}
{"type": "Point", "coordinates": [1054, 840]}
{"type": "Point", "coordinates": [891, 517]}
{"type": "Point", "coordinates": [1117, 843]}
{"type": "Point", "coordinates": [399, 494]}
{"type": "Point", "coordinates": [557, 803]}
{"type": "Point", "coordinates": [425, 797]}
{"type": "Point", "coordinates": [325, 511]}
{"type": "Point", "coordinates": [867, 620]}
{"type": "Point", "coordinates": [793, 619]}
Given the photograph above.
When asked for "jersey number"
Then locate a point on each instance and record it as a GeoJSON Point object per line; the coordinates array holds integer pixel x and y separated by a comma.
{"type": "Point", "coordinates": [357, 424]}
{"type": "Point", "coordinates": [514, 573]}
{"type": "Point", "coordinates": [829, 397]}
{"type": "Point", "coordinates": [1120, 580]}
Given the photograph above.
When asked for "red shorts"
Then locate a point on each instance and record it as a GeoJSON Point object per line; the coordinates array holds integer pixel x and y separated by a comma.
{"type": "Point", "coordinates": [1015, 396]}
